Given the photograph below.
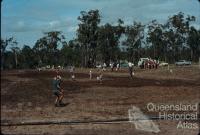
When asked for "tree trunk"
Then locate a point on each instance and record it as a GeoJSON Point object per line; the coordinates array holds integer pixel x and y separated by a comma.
{"type": "Point", "coordinates": [2, 61]}
{"type": "Point", "coordinates": [16, 62]}
{"type": "Point", "coordinates": [86, 54]}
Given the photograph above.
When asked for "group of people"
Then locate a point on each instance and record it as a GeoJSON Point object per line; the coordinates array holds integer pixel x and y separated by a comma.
{"type": "Point", "coordinates": [112, 65]}
{"type": "Point", "coordinates": [58, 91]}
{"type": "Point", "coordinates": [150, 64]}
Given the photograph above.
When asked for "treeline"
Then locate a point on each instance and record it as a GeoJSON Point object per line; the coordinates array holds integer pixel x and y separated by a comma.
{"type": "Point", "coordinates": [98, 43]}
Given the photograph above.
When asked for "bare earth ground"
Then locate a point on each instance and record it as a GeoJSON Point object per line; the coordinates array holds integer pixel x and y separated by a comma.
{"type": "Point", "coordinates": [26, 95]}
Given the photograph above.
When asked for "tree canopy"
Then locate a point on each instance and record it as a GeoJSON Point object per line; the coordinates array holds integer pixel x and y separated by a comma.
{"type": "Point", "coordinates": [98, 43]}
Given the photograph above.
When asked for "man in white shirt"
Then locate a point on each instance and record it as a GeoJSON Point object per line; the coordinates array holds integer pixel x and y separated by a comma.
{"type": "Point", "coordinates": [130, 65]}
{"type": "Point", "coordinates": [90, 73]}
{"type": "Point", "coordinates": [111, 66]}
{"type": "Point", "coordinates": [104, 66]}
{"type": "Point", "coordinates": [117, 68]}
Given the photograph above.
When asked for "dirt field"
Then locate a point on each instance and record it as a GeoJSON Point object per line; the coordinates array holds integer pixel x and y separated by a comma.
{"type": "Point", "coordinates": [26, 96]}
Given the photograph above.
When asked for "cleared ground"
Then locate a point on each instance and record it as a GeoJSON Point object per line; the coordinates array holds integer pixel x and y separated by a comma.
{"type": "Point", "coordinates": [26, 95]}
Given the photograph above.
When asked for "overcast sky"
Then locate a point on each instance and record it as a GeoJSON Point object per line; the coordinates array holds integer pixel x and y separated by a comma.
{"type": "Point", "coordinates": [26, 20]}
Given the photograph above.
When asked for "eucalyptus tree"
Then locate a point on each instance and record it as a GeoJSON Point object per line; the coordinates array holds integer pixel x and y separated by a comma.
{"type": "Point", "coordinates": [27, 57]}
{"type": "Point", "coordinates": [134, 34]}
{"type": "Point", "coordinates": [179, 26]}
{"type": "Point", "coordinates": [194, 43]}
{"type": "Point", "coordinates": [4, 45]}
{"type": "Point", "coordinates": [46, 48]}
{"type": "Point", "coordinates": [87, 34]}
{"type": "Point", "coordinates": [155, 40]}
{"type": "Point", "coordinates": [15, 50]}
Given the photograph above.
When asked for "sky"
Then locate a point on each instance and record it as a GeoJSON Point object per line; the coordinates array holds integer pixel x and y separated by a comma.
{"type": "Point", "coordinates": [26, 20]}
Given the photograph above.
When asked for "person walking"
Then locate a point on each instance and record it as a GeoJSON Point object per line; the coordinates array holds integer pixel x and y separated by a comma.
{"type": "Point", "coordinates": [58, 91]}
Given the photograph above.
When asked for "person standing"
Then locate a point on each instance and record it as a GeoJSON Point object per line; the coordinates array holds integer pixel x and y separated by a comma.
{"type": "Point", "coordinates": [72, 69]}
{"type": "Point", "coordinates": [117, 67]}
{"type": "Point", "coordinates": [111, 66]}
{"type": "Point", "coordinates": [100, 76]}
{"type": "Point", "coordinates": [104, 66]}
{"type": "Point", "coordinates": [130, 65]}
{"type": "Point", "coordinates": [90, 73]}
